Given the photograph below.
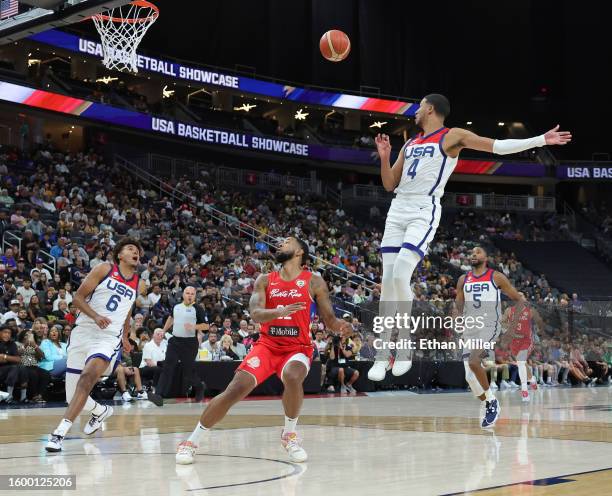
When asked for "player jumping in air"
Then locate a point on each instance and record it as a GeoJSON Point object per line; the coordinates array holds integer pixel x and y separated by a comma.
{"type": "Point", "coordinates": [478, 297]}
{"type": "Point", "coordinates": [105, 299]}
{"type": "Point", "coordinates": [418, 178]}
{"type": "Point", "coordinates": [281, 302]}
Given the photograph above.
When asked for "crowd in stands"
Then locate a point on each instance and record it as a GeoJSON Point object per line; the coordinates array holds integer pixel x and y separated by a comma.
{"type": "Point", "coordinates": [69, 211]}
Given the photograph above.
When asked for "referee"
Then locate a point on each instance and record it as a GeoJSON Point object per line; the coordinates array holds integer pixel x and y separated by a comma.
{"type": "Point", "coordinates": [186, 320]}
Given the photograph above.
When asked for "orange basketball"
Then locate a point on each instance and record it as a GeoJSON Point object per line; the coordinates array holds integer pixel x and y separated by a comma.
{"type": "Point", "coordinates": [335, 45]}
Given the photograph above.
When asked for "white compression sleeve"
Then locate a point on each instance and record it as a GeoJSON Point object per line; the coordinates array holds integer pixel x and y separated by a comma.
{"type": "Point", "coordinates": [504, 147]}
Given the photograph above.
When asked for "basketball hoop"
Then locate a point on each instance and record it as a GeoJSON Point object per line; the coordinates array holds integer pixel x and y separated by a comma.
{"type": "Point", "coordinates": [121, 31]}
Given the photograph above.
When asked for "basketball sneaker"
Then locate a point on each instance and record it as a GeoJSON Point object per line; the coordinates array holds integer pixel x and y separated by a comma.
{"type": "Point", "coordinates": [292, 445]}
{"type": "Point", "coordinates": [492, 411]}
{"type": "Point", "coordinates": [185, 453]}
{"type": "Point", "coordinates": [350, 389]}
{"type": "Point", "coordinates": [127, 397]}
{"type": "Point", "coordinates": [3, 395]}
{"type": "Point", "coordinates": [95, 421]}
{"type": "Point", "coordinates": [401, 367]}
{"type": "Point", "coordinates": [378, 371]}
{"type": "Point", "coordinates": [54, 445]}
{"type": "Point", "coordinates": [525, 396]}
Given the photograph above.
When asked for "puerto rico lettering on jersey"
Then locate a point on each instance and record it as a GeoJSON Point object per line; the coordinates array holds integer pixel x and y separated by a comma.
{"type": "Point", "coordinates": [293, 329]}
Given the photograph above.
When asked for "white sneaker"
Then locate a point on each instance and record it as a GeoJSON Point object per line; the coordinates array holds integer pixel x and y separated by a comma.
{"type": "Point", "coordinates": [127, 397]}
{"type": "Point", "coordinates": [350, 389]}
{"type": "Point", "coordinates": [54, 445]}
{"type": "Point", "coordinates": [142, 396]}
{"type": "Point", "coordinates": [292, 445]}
{"type": "Point", "coordinates": [525, 396]}
{"type": "Point", "coordinates": [344, 389]}
{"type": "Point", "coordinates": [3, 395]}
{"type": "Point", "coordinates": [95, 421]}
{"type": "Point", "coordinates": [378, 371]}
{"type": "Point", "coordinates": [185, 453]}
{"type": "Point", "coordinates": [331, 389]}
{"type": "Point", "coordinates": [401, 367]}
{"type": "Point", "coordinates": [503, 385]}
{"type": "Point", "coordinates": [493, 386]}
{"type": "Point", "coordinates": [513, 385]}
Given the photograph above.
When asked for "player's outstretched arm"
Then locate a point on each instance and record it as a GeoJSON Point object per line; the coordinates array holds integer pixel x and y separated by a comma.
{"type": "Point", "coordinates": [457, 139]}
{"type": "Point", "coordinates": [257, 304]}
{"type": "Point", "coordinates": [320, 292]}
{"type": "Point", "coordinates": [390, 175]}
{"type": "Point", "coordinates": [90, 283]}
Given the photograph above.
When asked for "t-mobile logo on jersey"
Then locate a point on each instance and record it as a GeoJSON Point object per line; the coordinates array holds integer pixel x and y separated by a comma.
{"type": "Point", "coordinates": [291, 293]}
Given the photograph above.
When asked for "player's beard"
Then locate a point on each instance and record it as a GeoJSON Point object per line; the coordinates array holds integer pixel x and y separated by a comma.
{"type": "Point", "coordinates": [476, 264]}
{"type": "Point", "coordinates": [283, 256]}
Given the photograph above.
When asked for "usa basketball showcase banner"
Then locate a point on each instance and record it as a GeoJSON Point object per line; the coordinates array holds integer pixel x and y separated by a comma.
{"type": "Point", "coordinates": [102, 113]}
{"type": "Point", "coordinates": [590, 172]}
{"type": "Point", "coordinates": [190, 74]}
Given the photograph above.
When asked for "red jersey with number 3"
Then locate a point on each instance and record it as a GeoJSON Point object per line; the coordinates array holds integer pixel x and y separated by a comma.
{"type": "Point", "coordinates": [523, 332]}
{"type": "Point", "coordinates": [292, 331]}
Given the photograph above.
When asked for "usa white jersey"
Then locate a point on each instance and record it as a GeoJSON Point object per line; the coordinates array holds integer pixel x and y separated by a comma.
{"type": "Point", "coordinates": [113, 298]}
{"type": "Point", "coordinates": [426, 166]}
{"type": "Point", "coordinates": [482, 298]}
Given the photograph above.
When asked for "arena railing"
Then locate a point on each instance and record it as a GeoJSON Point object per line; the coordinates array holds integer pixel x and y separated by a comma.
{"type": "Point", "coordinates": [163, 165]}
{"type": "Point", "coordinates": [232, 222]}
{"type": "Point", "coordinates": [12, 239]}
{"type": "Point", "coordinates": [486, 201]}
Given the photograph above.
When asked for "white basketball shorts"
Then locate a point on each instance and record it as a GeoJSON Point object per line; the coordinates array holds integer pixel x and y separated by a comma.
{"type": "Point", "coordinates": [88, 342]}
{"type": "Point", "coordinates": [411, 224]}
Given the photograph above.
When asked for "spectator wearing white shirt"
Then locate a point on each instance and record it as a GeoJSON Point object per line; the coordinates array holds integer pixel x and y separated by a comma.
{"type": "Point", "coordinates": [212, 345]}
{"type": "Point", "coordinates": [154, 295]}
{"type": "Point", "coordinates": [153, 356]}
{"type": "Point", "coordinates": [26, 291]}
{"type": "Point", "coordinates": [39, 267]}
{"type": "Point", "coordinates": [62, 295]}
{"type": "Point", "coordinates": [12, 313]}
{"type": "Point", "coordinates": [97, 260]}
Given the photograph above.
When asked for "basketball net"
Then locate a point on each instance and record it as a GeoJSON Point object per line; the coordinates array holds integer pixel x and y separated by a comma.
{"type": "Point", "coordinates": [121, 31]}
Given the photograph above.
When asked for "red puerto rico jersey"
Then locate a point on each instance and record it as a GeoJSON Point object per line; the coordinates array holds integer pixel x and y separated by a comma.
{"type": "Point", "coordinates": [523, 332]}
{"type": "Point", "coordinates": [293, 330]}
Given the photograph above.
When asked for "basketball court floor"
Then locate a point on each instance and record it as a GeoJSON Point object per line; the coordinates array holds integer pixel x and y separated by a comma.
{"type": "Point", "coordinates": [383, 443]}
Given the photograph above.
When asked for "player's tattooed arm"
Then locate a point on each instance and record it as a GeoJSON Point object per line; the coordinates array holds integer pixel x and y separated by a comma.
{"type": "Point", "coordinates": [90, 283]}
{"type": "Point", "coordinates": [320, 293]}
{"type": "Point", "coordinates": [257, 304]}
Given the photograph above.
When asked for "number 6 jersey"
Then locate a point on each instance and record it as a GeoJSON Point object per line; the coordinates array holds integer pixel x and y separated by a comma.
{"type": "Point", "coordinates": [113, 298]}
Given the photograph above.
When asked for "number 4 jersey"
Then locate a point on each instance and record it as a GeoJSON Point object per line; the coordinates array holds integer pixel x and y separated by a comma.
{"type": "Point", "coordinates": [415, 211]}
{"type": "Point", "coordinates": [426, 166]}
{"type": "Point", "coordinates": [113, 298]}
